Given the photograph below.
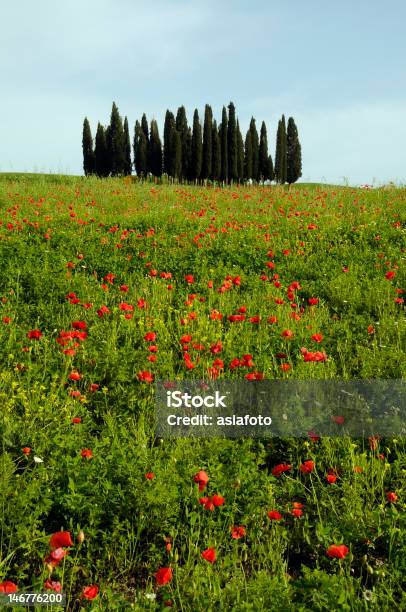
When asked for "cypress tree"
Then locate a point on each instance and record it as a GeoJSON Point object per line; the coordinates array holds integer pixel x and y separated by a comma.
{"type": "Point", "coordinates": [207, 143]}
{"type": "Point", "coordinates": [188, 174]}
{"type": "Point", "coordinates": [270, 168]}
{"type": "Point", "coordinates": [137, 131]}
{"type": "Point", "coordinates": [232, 144]}
{"type": "Point", "coordinates": [127, 148]}
{"type": "Point", "coordinates": [224, 146]}
{"type": "Point", "coordinates": [255, 150]}
{"type": "Point", "coordinates": [116, 143]}
{"type": "Point", "coordinates": [263, 154]}
{"type": "Point", "coordinates": [240, 154]}
{"type": "Point", "coordinates": [248, 155]}
{"type": "Point", "coordinates": [87, 146]}
{"type": "Point", "coordinates": [280, 155]}
{"type": "Point", "coordinates": [216, 153]}
{"type": "Point", "coordinates": [101, 153]}
{"type": "Point", "coordinates": [141, 155]}
{"type": "Point", "coordinates": [182, 128]}
{"type": "Point", "coordinates": [176, 154]}
{"type": "Point", "coordinates": [144, 126]}
{"type": "Point", "coordinates": [155, 150]}
{"type": "Point", "coordinates": [197, 148]}
{"type": "Point", "coordinates": [293, 153]}
{"type": "Point", "coordinates": [169, 128]}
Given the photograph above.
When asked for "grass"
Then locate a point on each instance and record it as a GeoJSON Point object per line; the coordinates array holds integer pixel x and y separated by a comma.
{"type": "Point", "coordinates": [68, 247]}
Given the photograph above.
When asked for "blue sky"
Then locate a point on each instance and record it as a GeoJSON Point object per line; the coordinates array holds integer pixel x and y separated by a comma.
{"type": "Point", "coordinates": [337, 67]}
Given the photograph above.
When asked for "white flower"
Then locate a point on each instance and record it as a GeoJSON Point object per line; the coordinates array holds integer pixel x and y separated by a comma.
{"type": "Point", "coordinates": [38, 459]}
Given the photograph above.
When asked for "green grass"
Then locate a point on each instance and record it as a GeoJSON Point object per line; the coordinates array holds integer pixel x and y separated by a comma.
{"type": "Point", "coordinates": [119, 227]}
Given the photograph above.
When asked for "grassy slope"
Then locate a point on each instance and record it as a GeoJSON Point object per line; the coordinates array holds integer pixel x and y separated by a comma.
{"type": "Point", "coordinates": [129, 230]}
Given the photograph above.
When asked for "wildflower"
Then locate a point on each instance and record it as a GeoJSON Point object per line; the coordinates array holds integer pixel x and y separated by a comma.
{"type": "Point", "coordinates": [237, 532]}
{"type": "Point", "coordinates": [391, 497]}
{"type": "Point", "coordinates": [201, 478]}
{"type": "Point", "coordinates": [60, 539]}
{"type": "Point", "coordinates": [8, 587]}
{"type": "Point", "coordinates": [280, 468]}
{"type": "Point", "coordinates": [86, 453]}
{"type": "Point", "coordinates": [307, 467]}
{"type": "Point", "coordinates": [34, 334]}
{"type": "Point", "coordinates": [337, 551]}
{"type": "Point", "coordinates": [209, 555]}
{"type": "Point", "coordinates": [274, 515]}
{"type": "Point", "coordinates": [90, 592]}
{"type": "Point", "coordinates": [163, 575]}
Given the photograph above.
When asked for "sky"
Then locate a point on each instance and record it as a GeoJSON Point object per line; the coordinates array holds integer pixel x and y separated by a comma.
{"type": "Point", "coordinates": [337, 67]}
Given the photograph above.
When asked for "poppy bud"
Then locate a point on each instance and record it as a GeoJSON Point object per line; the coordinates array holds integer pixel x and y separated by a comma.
{"type": "Point", "coordinates": [81, 536]}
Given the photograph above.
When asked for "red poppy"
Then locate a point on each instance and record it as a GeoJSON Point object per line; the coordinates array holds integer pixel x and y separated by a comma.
{"type": "Point", "coordinates": [86, 453]}
{"type": "Point", "coordinates": [164, 575]}
{"type": "Point", "coordinates": [307, 467]}
{"type": "Point", "coordinates": [150, 336]}
{"type": "Point", "coordinates": [218, 500]}
{"type": "Point", "coordinates": [338, 419]}
{"type": "Point", "coordinates": [297, 512]}
{"type": "Point", "coordinates": [317, 337]}
{"type": "Point", "coordinates": [34, 334]}
{"type": "Point", "coordinates": [90, 592]}
{"type": "Point", "coordinates": [53, 585]}
{"type": "Point", "coordinates": [201, 478]}
{"type": "Point", "coordinates": [209, 555]}
{"type": "Point", "coordinates": [331, 478]}
{"type": "Point", "coordinates": [8, 587]}
{"type": "Point", "coordinates": [280, 468]}
{"type": "Point", "coordinates": [26, 450]}
{"type": "Point", "coordinates": [146, 376]}
{"type": "Point", "coordinates": [60, 539]}
{"type": "Point", "coordinates": [94, 387]}
{"type": "Point", "coordinates": [74, 376]}
{"type": "Point", "coordinates": [391, 497]}
{"type": "Point", "coordinates": [337, 551]}
{"type": "Point", "coordinates": [150, 475]}
{"type": "Point", "coordinates": [287, 333]}
{"type": "Point", "coordinates": [79, 325]}
{"type": "Point", "coordinates": [390, 275]}
{"type": "Point", "coordinates": [272, 320]}
{"type": "Point", "coordinates": [237, 532]}
{"type": "Point", "coordinates": [274, 515]}
{"type": "Point", "coordinates": [313, 301]}
{"type": "Point", "coordinates": [189, 278]}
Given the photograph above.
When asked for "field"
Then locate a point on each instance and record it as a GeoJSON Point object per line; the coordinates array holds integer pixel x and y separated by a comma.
{"type": "Point", "coordinates": [108, 286]}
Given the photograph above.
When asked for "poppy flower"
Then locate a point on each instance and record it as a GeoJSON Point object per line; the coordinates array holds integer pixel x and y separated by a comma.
{"type": "Point", "coordinates": [90, 592]}
{"type": "Point", "coordinates": [338, 419]}
{"type": "Point", "coordinates": [164, 575]}
{"type": "Point", "coordinates": [150, 475]}
{"type": "Point", "coordinates": [60, 539]}
{"type": "Point", "coordinates": [26, 450]}
{"type": "Point", "coordinates": [337, 551]}
{"type": "Point", "coordinates": [150, 336]}
{"type": "Point", "coordinates": [146, 376]}
{"type": "Point", "coordinates": [237, 532]}
{"type": "Point", "coordinates": [86, 453]}
{"type": "Point", "coordinates": [53, 585]}
{"type": "Point", "coordinates": [313, 301]}
{"type": "Point", "coordinates": [285, 367]}
{"type": "Point", "coordinates": [34, 334]}
{"type": "Point", "coordinates": [297, 512]}
{"type": "Point", "coordinates": [307, 467]}
{"type": "Point", "coordinates": [189, 278]}
{"type": "Point", "coordinates": [209, 555]}
{"type": "Point", "coordinates": [390, 275]}
{"type": "Point", "coordinates": [79, 325]}
{"type": "Point", "coordinates": [74, 375]}
{"type": "Point", "coordinates": [8, 587]}
{"type": "Point", "coordinates": [94, 387]}
{"type": "Point", "coordinates": [201, 478]}
{"type": "Point", "coordinates": [280, 468]}
{"type": "Point", "coordinates": [331, 478]}
{"type": "Point", "coordinates": [391, 497]}
{"type": "Point", "coordinates": [317, 337]}
{"type": "Point", "coordinates": [287, 333]}
{"type": "Point", "coordinates": [274, 515]}
{"type": "Point", "coordinates": [218, 500]}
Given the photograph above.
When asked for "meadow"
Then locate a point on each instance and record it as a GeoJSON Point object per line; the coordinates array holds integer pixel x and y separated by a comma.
{"type": "Point", "coordinates": [109, 285]}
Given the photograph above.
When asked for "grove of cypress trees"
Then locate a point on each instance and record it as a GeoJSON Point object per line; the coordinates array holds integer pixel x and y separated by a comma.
{"type": "Point", "coordinates": [116, 143]}
{"type": "Point", "coordinates": [281, 153]}
{"type": "Point", "coordinates": [87, 146]}
{"type": "Point", "coordinates": [224, 147]}
{"type": "Point", "coordinates": [248, 155]}
{"type": "Point", "coordinates": [232, 144]}
{"type": "Point", "coordinates": [101, 153]}
{"type": "Point", "coordinates": [182, 128]}
{"type": "Point", "coordinates": [169, 128]}
{"type": "Point", "coordinates": [255, 150]}
{"type": "Point", "coordinates": [263, 154]}
{"type": "Point", "coordinates": [240, 154]}
{"type": "Point", "coordinates": [216, 153]}
{"type": "Point", "coordinates": [207, 143]}
{"type": "Point", "coordinates": [197, 149]}
{"type": "Point", "coordinates": [293, 153]}
{"type": "Point", "coordinates": [127, 149]}
{"type": "Point", "coordinates": [155, 150]}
